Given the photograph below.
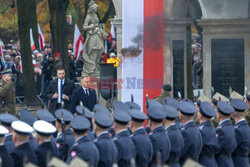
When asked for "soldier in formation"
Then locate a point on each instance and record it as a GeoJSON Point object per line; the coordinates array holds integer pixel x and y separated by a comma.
{"type": "Point", "coordinates": [106, 137]}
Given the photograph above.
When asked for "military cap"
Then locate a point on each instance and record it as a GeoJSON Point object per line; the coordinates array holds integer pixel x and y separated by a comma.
{"type": "Point", "coordinates": [187, 100]}
{"type": "Point", "coordinates": [203, 98]}
{"type": "Point", "coordinates": [21, 127]}
{"type": "Point", "coordinates": [137, 115]}
{"type": "Point", "coordinates": [27, 117]}
{"type": "Point", "coordinates": [103, 119]}
{"type": "Point", "coordinates": [219, 97]}
{"type": "Point", "coordinates": [167, 87]}
{"type": "Point", "coordinates": [44, 128]}
{"type": "Point", "coordinates": [7, 119]}
{"type": "Point", "coordinates": [121, 116]}
{"type": "Point", "coordinates": [156, 113]}
{"type": "Point", "coordinates": [239, 105]}
{"type": "Point", "coordinates": [153, 102]}
{"type": "Point", "coordinates": [79, 123]}
{"type": "Point", "coordinates": [170, 111]}
{"type": "Point", "coordinates": [171, 101]}
{"type": "Point", "coordinates": [3, 131]}
{"type": "Point", "coordinates": [225, 108]}
{"type": "Point", "coordinates": [7, 71]}
{"type": "Point", "coordinates": [63, 114]}
{"type": "Point", "coordinates": [207, 110]}
{"type": "Point", "coordinates": [187, 108]}
{"type": "Point", "coordinates": [236, 95]}
{"type": "Point", "coordinates": [118, 105]}
{"type": "Point", "coordinates": [133, 105]}
{"type": "Point", "coordinates": [81, 110]}
{"type": "Point", "coordinates": [99, 107]}
{"type": "Point", "coordinates": [45, 115]}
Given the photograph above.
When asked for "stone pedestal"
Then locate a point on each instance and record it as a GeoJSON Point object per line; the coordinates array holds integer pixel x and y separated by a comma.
{"type": "Point", "coordinates": [174, 38]}
{"type": "Point", "coordinates": [223, 29]}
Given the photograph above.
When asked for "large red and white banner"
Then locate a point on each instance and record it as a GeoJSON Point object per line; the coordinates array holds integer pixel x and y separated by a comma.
{"type": "Point", "coordinates": [143, 38]}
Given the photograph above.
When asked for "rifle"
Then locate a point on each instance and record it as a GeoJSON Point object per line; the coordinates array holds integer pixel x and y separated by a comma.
{"type": "Point", "coordinates": [179, 95]}
{"type": "Point", "coordinates": [132, 98]}
{"type": "Point", "coordinates": [245, 93]}
{"type": "Point", "coordinates": [147, 104]}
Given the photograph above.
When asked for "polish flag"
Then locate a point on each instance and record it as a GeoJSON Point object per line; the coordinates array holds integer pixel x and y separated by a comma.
{"type": "Point", "coordinates": [78, 43]}
{"type": "Point", "coordinates": [112, 33]}
{"type": "Point", "coordinates": [41, 37]}
{"type": "Point", "coordinates": [32, 44]}
{"type": "Point", "coordinates": [143, 41]}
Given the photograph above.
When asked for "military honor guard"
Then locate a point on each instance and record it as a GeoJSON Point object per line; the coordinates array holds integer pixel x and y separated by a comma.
{"type": "Point", "coordinates": [124, 144]}
{"type": "Point", "coordinates": [84, 148]}
{"type": "Point", "coordinates": [225, 134]}
{"type": "Point", "coordinates": [143, 145]}
{"type": "Point", "coordinates": [107, 149]}
{"type": "Point", "coordinates": [45, 149]}
{"type": "Point", "coordinates": [210, 143]}
{"type": "Point", "coordinates": [65, 138]}
{"type": "Point", "coordinates": [6, 120]}
{"type": "Point", "coordinates": [27, 117]}
{"type": "Point", "coordinates": [5, 156]}
{"type": "Point", "coordinates": [174, 134]}
{"type": "Point", "coordinates": [242, 132]}
{"type": "Point", "coordinates": [191, 134]}
{"type": "Point", "coordinates": [158, 136]}
{"type": "Point", "coordinates": [23, 153]}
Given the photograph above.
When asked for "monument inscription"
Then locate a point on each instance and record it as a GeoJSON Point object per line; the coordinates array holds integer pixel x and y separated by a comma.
{"type": "Point", "coordinates": [178, 67]}
{"type": "Point", "coordinates": [228, 65]}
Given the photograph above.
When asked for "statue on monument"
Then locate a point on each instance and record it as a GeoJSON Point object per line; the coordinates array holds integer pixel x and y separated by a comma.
{"type": "Point", "coordinates": [94, 44]}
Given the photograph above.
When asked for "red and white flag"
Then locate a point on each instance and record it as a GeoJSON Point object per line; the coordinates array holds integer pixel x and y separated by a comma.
{"type": "Point", "coordinates": [78, 43]}
{"type": "Point", "coordinates": [41, 37]}
{"type": "Point", "coordinates": [32, 44]}
{"type": "Point", "coordinates": [112, 33]}
{"type": "Point", "coordinates": [143, 74]}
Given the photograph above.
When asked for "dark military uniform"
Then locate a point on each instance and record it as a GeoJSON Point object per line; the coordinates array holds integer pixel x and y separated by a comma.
{"type": "Point", "coordinates": [143, 147]}
{"type": "Point", "coordinates": [32, 142]}
{"type": "Point", "coordinates": [210, 144]}
{"type": "Point", "coordinates": [161, 143]}
{"type": "Point", "coordinates": [7, 93]}
{"type": "Point", "coordinates": [70, 140]}
{"type": "Point", "coordinates": [22, 152]}
{"type": "Point", "coordinates": [5, 157]}
{"type": "Point", "coordinates": [125, 147]}
{"type": "Point", "coordinates": [192, 142]}
{"type": "Point", "coordinates": [10, 146]}
{"type": "Point", "coordinates": [177, 143]}
{"type": "Point", "coordinates": [226, 136]}
{"type": "Point", "coordinates": [107, 150]}
{"type": "Point", "coordinates": [85, 149]}
{"type": "Point", "coordinates": [42, 151]}
{"type": "Point", "coordinates": [240, 155]}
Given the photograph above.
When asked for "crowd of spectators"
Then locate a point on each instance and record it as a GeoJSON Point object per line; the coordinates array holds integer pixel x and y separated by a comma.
{"type": "Point", "coordinates": [45, 63]}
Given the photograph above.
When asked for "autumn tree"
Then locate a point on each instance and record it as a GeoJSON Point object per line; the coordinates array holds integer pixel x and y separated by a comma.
{"type": "Point", "coordinates": [24, 8]}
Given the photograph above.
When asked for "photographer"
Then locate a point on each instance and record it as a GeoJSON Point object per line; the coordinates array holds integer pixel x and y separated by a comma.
{"type": "Point", "coordinates": [7, 92]}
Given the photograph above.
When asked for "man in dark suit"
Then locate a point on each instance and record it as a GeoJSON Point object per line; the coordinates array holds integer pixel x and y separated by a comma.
{"type": "Point", "coordinates": [60, 90]}
{"type": "Point", "coordinates": [83, 94]}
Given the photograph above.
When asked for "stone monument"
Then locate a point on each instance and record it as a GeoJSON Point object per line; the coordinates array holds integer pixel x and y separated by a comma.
{"type": "Point", "coordinates": [94, 44]}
